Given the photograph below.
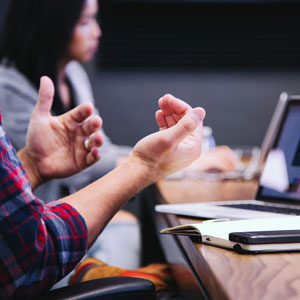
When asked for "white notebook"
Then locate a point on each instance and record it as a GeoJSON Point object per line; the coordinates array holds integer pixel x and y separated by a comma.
{"type": "Point", "coordinates": [216, 233]}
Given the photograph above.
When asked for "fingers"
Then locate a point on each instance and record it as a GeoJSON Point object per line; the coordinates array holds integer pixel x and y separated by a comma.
{"type": "Point", "coordinates": [92, 146]}
{"type": "Point", "coordinates": [95, 141]}
{"type": "Point", "coordinates": [91, 126]}
{"type": "Point", "coordinates": [171, 104]}
{"type": "Point", "coordinates": [218, 159]}
{"type": "Point", "coordinates": [172, 110]}
{"type": "Point", "coordinates": [220, 165]}
{"type": "Point", "coordinates": [170, 114]}
{"type": "Point", "coordinates": [80, 113]}
{"type": "Point", "coordinates": [45, 98]}
{"type": "Point", "coordinates": [160, 119]}
{"type": "Point", "coordinates": [226, 156]}
{"type": "Point", "coordinates": [93, 156]}
{"type": "Point", "coordinates": [189, 124]}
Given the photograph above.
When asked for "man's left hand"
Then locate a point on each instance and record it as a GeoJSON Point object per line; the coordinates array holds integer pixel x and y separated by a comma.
{"type": "Point", "coordinates": [59, 146]}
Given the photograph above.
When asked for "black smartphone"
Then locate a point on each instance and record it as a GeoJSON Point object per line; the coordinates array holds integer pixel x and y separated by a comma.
{"type": "Point", "coordinates": [266, 237]}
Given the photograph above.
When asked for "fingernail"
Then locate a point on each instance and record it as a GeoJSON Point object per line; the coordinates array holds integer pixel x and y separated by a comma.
{"type": "Point", "coordinates": [199, 113]}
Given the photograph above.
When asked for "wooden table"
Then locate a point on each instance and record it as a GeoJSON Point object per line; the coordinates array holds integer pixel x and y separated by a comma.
{"type": "Point", "coordinates": [208, 272]}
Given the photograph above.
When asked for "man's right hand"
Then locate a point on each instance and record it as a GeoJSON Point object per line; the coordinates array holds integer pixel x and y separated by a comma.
{"type": "Point", "coordinates": [177, 144]}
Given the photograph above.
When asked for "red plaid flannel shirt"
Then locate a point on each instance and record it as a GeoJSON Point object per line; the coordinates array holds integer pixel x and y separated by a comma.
{"type": "Point", "coordinates": [39, 244]}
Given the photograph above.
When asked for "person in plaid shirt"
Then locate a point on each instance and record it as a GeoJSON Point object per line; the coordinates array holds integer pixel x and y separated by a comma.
{"type": "Point", "coordinates": [41, 243]}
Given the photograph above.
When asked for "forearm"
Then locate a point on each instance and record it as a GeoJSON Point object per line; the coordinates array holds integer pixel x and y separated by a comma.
{"type": "Point", "coordinates": [30, 166]}
{"type": "Point", "coordinates": [99, 201]}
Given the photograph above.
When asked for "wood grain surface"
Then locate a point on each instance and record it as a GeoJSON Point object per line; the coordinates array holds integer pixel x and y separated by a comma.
{"type": "Point", "coordinates": [224, 273]}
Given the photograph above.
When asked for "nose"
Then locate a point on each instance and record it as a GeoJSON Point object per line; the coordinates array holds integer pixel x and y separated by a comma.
{"type": "Point", "coordinates": [97, 32]}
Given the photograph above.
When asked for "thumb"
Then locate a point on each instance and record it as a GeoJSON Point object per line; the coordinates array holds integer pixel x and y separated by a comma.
{"type": "Point", "coordinates": [46, 95]}
{"type": "Point", "coordinates": [188, 125]}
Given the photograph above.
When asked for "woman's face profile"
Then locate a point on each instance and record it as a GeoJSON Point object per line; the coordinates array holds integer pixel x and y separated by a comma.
{"type": "Point", "coordinates": [85, 39]}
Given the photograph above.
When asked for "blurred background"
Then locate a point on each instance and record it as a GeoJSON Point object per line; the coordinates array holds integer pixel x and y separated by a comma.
{"type": "Point", "coordinates": [233, 58]}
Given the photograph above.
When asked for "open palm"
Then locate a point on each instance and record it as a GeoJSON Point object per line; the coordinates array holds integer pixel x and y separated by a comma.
{"type": "Point", "coordinates": [57, 144]}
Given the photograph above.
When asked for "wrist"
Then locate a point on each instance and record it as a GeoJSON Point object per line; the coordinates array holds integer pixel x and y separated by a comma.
{"type": "Point", "coordinates": [31, 168]}
{"type": "Point", "coordinates": [145, 170]}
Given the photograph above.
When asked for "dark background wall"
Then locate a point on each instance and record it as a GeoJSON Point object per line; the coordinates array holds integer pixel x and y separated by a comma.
{"type": "Point", "coordinates": [3, 7]}
{"type": "Point", "coordinates": [233, 59]}
{"type": "Point", "coordinates": [239, 105]}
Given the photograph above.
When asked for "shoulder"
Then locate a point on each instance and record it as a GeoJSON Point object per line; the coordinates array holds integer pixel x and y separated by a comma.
{"type": "Point", "coordinates": [77, 74]}
{"type": "Point", "coordinates": [80, 82]}
{"type": "Point", "coordinates": [74, 69]}
{"type": "Point", "coordinates": [14, 82]}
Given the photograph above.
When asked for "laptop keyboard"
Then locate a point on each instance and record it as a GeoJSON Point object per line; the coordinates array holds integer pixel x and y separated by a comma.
{"type": "Point", "coordinates": [273, 209]}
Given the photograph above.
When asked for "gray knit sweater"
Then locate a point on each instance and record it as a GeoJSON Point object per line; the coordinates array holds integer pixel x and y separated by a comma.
{"type": "Point", "coordinates": [17, 100]}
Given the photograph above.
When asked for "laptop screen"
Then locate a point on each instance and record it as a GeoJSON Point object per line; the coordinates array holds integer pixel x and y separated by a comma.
{"type": "Point", "coordinates": [288, 141]}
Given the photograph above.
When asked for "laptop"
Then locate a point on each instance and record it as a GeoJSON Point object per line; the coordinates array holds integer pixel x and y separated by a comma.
{"type": "Point", "coordinates": [257, 155]}
{"type": "Point", "coordinates": [283, 138]}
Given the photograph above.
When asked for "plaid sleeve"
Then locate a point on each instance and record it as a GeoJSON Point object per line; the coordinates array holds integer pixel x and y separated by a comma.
{"type": "Point", "coordinates": [38, 244]}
